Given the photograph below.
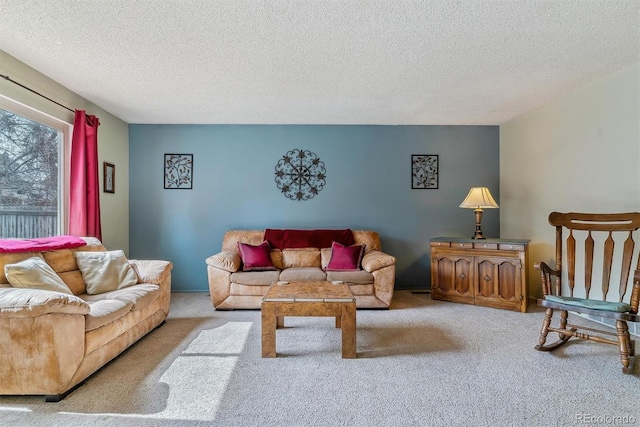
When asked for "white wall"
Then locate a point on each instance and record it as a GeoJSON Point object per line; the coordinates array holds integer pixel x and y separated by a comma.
{"type": "Point", "coordinates": [113, 140]}
{"type": "Point", "coordinates": [580, 153]}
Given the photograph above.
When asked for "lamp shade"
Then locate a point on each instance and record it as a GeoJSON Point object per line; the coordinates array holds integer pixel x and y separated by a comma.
{"type": "Point", "coordinates": [479, 197]}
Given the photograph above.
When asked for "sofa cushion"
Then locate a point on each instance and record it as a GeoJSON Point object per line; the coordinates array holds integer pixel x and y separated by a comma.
{"type": "Point", "coordinates": [255, 277]}
{"type": "Point", "coordinates": [138, 295]}
{"type": "Point", "coordinates": [12, 258]}
{"type": "Point", "coordinates": [301, 257]}
{"type": "Point", "coordinates": [105, 271]}
{"type": "Point", "coordinates": [370, 239]}
{"type": "Point", "coordinates": [256, 258]}
{"type": "Point", "coordinates": [73, 279]}
{"type": "Point", "coordinates": [61, 260]}
{"type": "Point", "coordinates": [345, 257]}
{"type": "Point", "coordinates": [35, 302]}
{"type": "Point", "coordinates": [276, 258]}
{"type": "Point", "coordinates": [232, 237]}
{"type": "Point", "coordinates": [35, 273]}
{"type": "Point", "coordinates": [304, 274]}
{"type": "Point", "coordinates": [105, 311]}
{"type": "Point", "coordinates": [325, 256]}
{"type": "Point", "coordinates": [360, 277]}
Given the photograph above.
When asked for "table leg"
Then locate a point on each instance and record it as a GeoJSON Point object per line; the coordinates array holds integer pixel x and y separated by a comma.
{"type": "Point", "coordinates": [349, 330]}
{"type": "Point", "coordinates": [280, 322]}
{"type": "Point", "coordinates": [269, 321]}
{"type": "Point", "coordinates": [338, 321]}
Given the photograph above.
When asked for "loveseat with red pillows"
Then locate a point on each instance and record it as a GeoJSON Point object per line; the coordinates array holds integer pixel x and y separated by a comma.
{"type": "Point", "coordinates": [251, 260]}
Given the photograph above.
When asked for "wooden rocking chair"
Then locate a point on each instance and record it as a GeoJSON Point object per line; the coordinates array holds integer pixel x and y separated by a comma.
{"type": "Point", "coordinates": [598, 230]}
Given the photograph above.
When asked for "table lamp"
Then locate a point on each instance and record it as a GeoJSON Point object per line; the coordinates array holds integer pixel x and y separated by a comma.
{"type": "Point", "coordinates": [479, 198]}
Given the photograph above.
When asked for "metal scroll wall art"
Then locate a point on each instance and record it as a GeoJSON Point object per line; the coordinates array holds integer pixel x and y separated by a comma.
{"type": "Point", "coordinates": [178, 171]}
{"type": "Point", "coordinates": [300, 175]}
{"type": "Point", "coordinates": [424, 171]}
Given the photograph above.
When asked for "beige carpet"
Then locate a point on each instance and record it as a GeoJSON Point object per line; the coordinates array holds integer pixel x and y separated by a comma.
{"type": "Point", "coordinates": [421, 363]}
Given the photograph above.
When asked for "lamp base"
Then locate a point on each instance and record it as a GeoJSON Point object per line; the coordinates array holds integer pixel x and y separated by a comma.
{"type": "Point", "coordinates": [478, 234]}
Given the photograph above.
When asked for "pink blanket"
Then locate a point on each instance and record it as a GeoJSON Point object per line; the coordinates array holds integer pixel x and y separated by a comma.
{"type": "Point", "coordinates": [40, 244]}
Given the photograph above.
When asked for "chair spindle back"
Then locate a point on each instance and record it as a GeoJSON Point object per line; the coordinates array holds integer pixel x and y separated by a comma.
{"type": "Point", "coordinates": [596, 224]}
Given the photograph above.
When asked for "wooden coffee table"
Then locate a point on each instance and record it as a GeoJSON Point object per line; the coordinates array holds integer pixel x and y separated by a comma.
{"type": "Point", "coordinates": [309, 299]}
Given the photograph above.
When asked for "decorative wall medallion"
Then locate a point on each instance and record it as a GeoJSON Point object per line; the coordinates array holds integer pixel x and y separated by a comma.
{"type": "Point", "coordinates": [424, 171]}
{"type": "Point", "coordinates": [178, 171]}
{"type": "Point", "coordinates": [300, 174]}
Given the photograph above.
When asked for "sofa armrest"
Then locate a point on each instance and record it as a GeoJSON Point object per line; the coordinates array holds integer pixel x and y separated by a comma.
{"type": "Point", "coordinates": [22, 302]}
{"type": "Point", "coordinates": [225, 260]}
{"type": "Point", "coordinates": [155, 272]}
{"type": "Point", "coordinates": [151, 271]}
{"type": "Point", "coordinates": [375, 260]}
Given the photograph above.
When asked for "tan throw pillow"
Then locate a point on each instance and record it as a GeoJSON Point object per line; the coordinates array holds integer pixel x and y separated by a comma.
{"type": "Point", "coordinates": [35, 273]}
{"type": "Point", "coordinates": [105, 271]}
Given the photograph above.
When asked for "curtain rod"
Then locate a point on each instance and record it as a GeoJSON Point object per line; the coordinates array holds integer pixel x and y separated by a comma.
{"type": "Point", "coordinates": [37, 93]}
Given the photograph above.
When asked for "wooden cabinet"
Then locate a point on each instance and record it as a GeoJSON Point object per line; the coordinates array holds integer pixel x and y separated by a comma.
{"type": "Point", "coordinates": [490, 272]}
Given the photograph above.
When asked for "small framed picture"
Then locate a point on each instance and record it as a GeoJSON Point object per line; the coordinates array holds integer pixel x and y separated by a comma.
{"type": "Point", "coordinates": [178, 171]}
{"type": "Point", "coordinates": [109, 177]}
{"type": "Point", "coordinates": [424, 171]}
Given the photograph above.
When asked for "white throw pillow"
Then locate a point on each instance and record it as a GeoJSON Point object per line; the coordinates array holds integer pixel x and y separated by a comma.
{"type": "Point", "coordinates": [105, 271]}
{"type": "Point", "coordinates": [35, 273]}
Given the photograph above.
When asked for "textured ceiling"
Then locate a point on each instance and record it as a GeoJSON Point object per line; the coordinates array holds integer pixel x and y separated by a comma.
{"type": "Point", "coordinates": [398, 62]}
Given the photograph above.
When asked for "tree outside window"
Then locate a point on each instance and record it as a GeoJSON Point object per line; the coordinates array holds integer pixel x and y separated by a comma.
{"type": "Point", "coordinates": [29, 175]}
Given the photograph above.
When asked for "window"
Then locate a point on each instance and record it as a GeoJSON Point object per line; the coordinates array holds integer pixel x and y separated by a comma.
{"type": "Point", "coordinates": [34, 152]}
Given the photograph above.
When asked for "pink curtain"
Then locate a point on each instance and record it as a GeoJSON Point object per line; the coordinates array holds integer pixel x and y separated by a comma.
{"type": "Point", "coordinates": [84, 203]}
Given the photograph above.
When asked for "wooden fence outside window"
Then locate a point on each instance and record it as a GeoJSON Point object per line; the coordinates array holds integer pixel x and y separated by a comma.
{"type": "Point", "coordinates": [28, 224]}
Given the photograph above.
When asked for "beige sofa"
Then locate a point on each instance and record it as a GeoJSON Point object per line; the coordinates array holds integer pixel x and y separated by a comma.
{"type": "Point", "coordinates": [51, 341]}
{"type": "Point", "coordinates": [232, 288]}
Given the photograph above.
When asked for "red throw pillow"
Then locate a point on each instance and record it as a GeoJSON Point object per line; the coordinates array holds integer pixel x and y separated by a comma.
{"type": "Point", "coordinates": [345, 257]}
{"type": "Point", "coordinates": [256, 258]}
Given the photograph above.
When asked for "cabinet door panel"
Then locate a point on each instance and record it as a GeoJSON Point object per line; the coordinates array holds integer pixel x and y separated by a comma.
{"type": "Point", "coordinates": [509, 280]}
{"type": "Point", "coordinates": [499, 281]}
{"type": "Point", "coordinates": [488, 278]}
{"type": "Point", "coordinates": [454, 277]}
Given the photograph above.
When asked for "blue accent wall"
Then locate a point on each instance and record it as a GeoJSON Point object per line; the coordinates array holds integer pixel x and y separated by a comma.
{"type": "Point", "coordinates": [368, 187]}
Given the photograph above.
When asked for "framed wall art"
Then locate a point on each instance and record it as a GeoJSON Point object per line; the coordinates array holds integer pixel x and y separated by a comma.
{"type": "Point", "coordinates": [178, 171]}
{"type": "Point", "coordinates": [424, 171]}
{"type": "Point", "coordinates": [108, 177]}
